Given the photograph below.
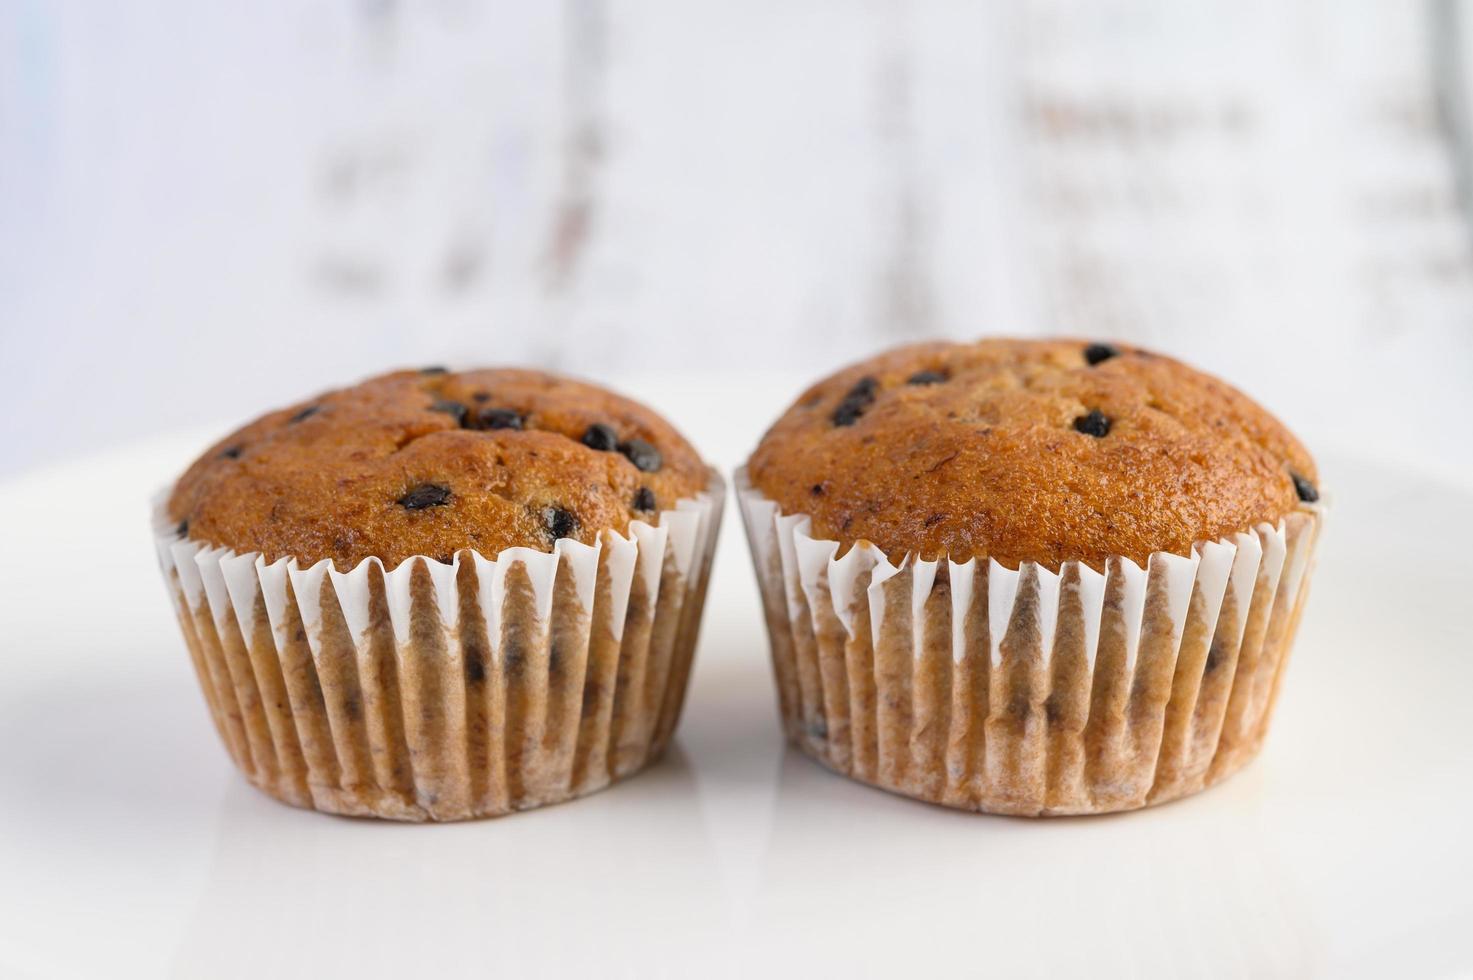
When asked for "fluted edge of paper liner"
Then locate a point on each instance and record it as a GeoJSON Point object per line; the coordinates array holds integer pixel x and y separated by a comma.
{"type": "Point", "coordinates": [438, 691]}
{"type": "Point", "coordinates": [1027, 691]}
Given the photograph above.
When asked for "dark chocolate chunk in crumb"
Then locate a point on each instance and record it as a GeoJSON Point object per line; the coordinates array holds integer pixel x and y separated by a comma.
{"type": "Point", "coordinates": [926, 378]}
{"type": "Point", "coordinates": [182, 528]}
{"type": "Point", "coordinates": [1307, 491]}
{"type": "Point", "coordinates": [601, 437]}
{"type": "Point", "coordinates": [305, 413]}
{"type": "Point", "coordinates": [501, 418]}
{"type": "Point", "coordinates": [1096, 424]}
{"type": "Point", "coordinates": [434, 369]}
{"type": "Point", "coordinates": [1097, 353]}
{"type": "Point", "coordinates": [645, 457]}
{"type": "Point", "coordinates": [425, 495]}
{"type": "Point", "coordinates": [847, 413]}
{"type": "Point", "coordinates": [855, 402]}
{"type": "Point", "coordinates": [644, 499]}
{"type": "Point", "coordinates": [560, 523]}
{"type": "Point", "coordinates": [456, 410]}
{"type": "Point", "coordinates": [231, 452]}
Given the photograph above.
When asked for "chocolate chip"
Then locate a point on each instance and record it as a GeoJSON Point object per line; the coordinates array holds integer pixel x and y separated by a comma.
{"type": "Point", "coordinates": [231, 452]}
{"type": "Point", "coordinates": [847, 413]}
{"type": "Point", "coordinates": [601, 437]}
{"type": "Point", "coordinates": [644, 499]}
{"type": "Point", "coordinates": [425, 495]}
{"type": "Point", "coordinates": [433, 369]}
{"type": "Point", "coordinates": [1096, 353]}
{"type": "Point", "coordinates": [481, 396]}
{"type": "Point", "coordinates": [855, 402]}
{"type": "Point", "coordinates": [1306, 490]}
{"type": "Point", "coordinates": [1094, 424]}
{"type": "Point", "coordinates": [305, 413]}
{"type": "Point", "coordinates": [560, 523]}
{"type": "Point", "coordinates": [926, 378]}
{"type": "Point", "coordinates": [182, 528]}
{"type": "Point", "coordinates": [816, 489]}
{"type": "Point", "coordinates": [501, 418]}
{"type": "Point", "coordinates": [645, 457]}
{"type": "Point", "coordinates": [475, 667]}
{"type": "Point", "coordinates": [454, 409]}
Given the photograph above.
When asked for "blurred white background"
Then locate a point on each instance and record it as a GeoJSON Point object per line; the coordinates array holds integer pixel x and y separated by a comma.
{"type": "Point", "coordinates": [209, 209]}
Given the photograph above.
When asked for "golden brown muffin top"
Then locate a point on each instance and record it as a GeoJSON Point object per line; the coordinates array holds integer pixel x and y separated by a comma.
{"type": "Point", "coordinates": [429, 462]}
{"type": "Point", "coordinates": [1025, 450]}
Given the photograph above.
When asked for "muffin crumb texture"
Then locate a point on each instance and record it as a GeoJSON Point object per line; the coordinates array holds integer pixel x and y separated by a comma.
{"type": "Point", "coordinates": [1023, 450]}
{"type": "Point", "coordinates": [430, 462]}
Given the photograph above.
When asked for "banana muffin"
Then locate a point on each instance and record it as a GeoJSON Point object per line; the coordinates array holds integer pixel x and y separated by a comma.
{"type": "Point", "coordinates": [428, 462]}
{"type": "Point", "coordinates": [1029, 576]}
{"type": "Point", "coordinates": [440, 595]}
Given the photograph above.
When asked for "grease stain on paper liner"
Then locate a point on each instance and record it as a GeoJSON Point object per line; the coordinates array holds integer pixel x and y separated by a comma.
{"type": "Point", "coordinates": [1028, 690]}
{"type": "Point", "coordinates": [446, 691]}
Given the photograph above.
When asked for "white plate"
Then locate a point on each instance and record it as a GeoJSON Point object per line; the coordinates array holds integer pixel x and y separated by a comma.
{"type": "Point", "coordinates": [128, 846]}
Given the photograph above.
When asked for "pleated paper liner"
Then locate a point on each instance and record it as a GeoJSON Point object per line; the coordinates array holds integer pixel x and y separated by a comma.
{"type": "Point", "coordinates": [441, 691]}
{"type": "Point", "coordinates": [1028, 691]}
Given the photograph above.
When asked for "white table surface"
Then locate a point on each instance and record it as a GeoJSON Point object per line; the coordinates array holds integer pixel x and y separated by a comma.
{"type": "Point", "coordinates": [129, 846]}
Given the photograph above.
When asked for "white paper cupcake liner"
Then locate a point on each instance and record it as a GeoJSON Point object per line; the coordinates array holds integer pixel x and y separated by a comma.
{"type": "Point", "coordinates": [1030, 691]}
{"type": "Point", "coordinates": [448, 691]}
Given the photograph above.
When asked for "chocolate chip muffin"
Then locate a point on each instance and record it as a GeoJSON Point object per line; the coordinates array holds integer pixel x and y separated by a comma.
{"type": "Point", "coordinates": [1030, 577]}
{"type": "Point", "coordinates": [429, 462]}
{"type": "Point", "coordinates": [440, 595]}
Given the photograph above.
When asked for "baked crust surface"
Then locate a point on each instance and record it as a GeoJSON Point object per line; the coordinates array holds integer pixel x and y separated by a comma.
{"type": "Point", "coordinates": [430, 462]}
{"type": "Point", "coordinates": [994, 449]}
